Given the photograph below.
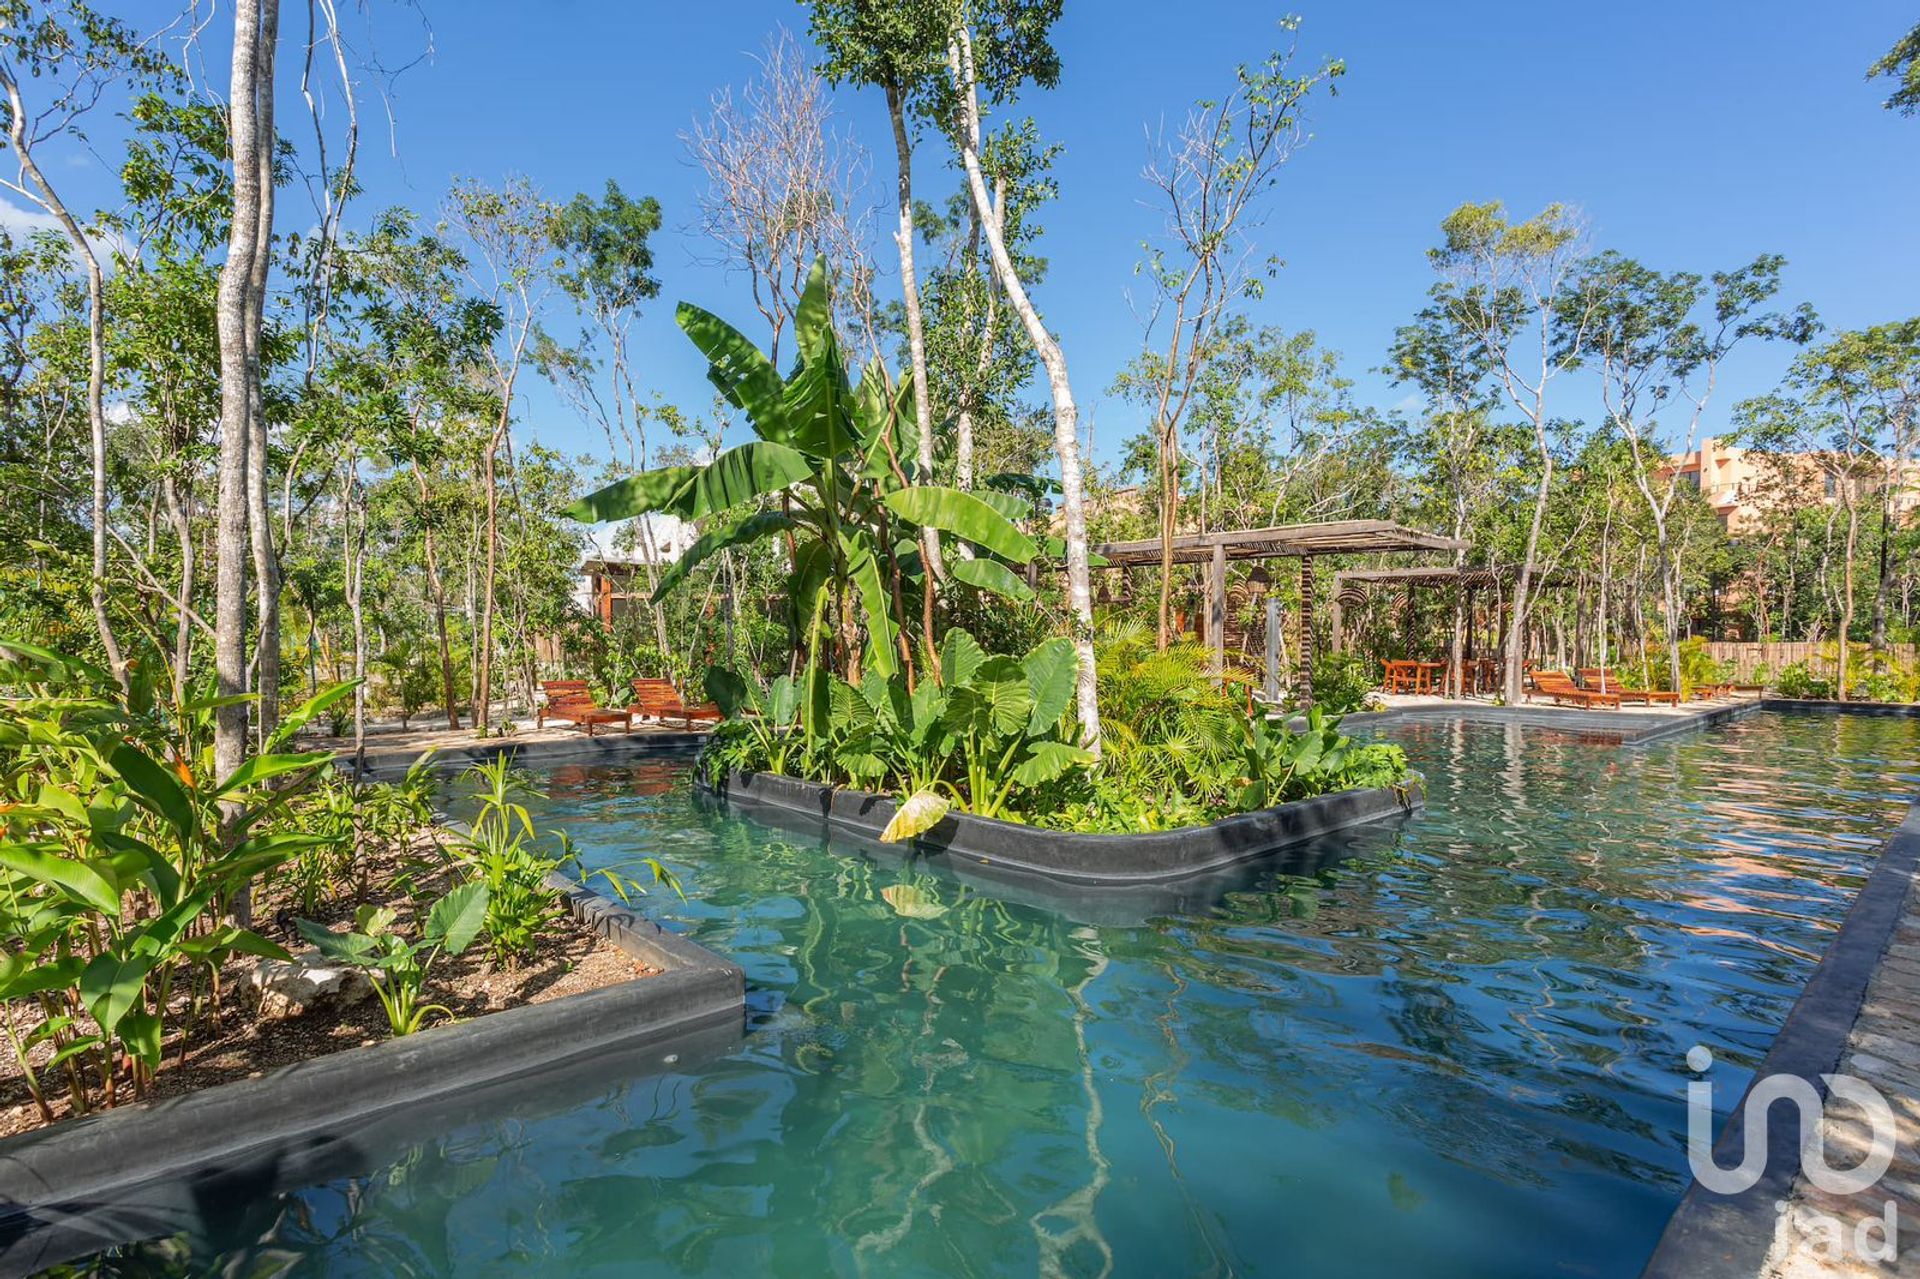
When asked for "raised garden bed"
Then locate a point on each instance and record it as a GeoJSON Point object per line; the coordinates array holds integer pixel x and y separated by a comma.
{"type": "Point", "coordinates": [1063, 856]}
{"type": "Point", "coordinates": [163, 1155]}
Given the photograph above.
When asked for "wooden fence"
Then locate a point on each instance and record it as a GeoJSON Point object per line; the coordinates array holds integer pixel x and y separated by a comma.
{"type": "Point", "coordinates": [1743, 657]}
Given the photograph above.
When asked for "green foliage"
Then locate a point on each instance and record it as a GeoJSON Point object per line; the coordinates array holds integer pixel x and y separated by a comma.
{"type": "Point", "coordinates": [502, 852]}
{"type": "Point", "coordinates": [1342, 682]}
{"type": "Point", "coordinates": [996, 737]}
{"type": "Point", "coordinates": [118, 868]}
{"type": "Point", "coordinates": [825, 474]}
{"type": "Point", "coordinates": [398, 966]}
{"type": "Point", "coordinates": [1797, 680]}
{"type": "Point", "coordinates": [1901, 65]}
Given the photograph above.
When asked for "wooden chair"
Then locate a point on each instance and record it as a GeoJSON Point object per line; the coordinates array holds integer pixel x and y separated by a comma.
{"type": "Point", "coordinates": [569, 701]}
{"type": "Point", "coordinates": [1601, 679]}
{"type": "Point", "coordinates": [1648, 696]}
{"type": "Point", "coordinates": [659, 700]}
{"type": "Point", "coordinates": [1556, 685]}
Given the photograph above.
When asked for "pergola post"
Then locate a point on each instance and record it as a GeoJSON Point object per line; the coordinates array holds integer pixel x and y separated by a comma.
{"type": "Point", "coordinates": [1303, 688]}
{"type": "Point", "coordinates": [1273, 649]}
{"type": "Point", "coordinates": [1338, 619]}
{"type": "Point", "coordinates": [1217, 608]}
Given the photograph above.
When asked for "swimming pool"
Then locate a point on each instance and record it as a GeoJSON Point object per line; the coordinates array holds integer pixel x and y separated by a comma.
{"type": "Point", "coordinates": [1453, 1048]}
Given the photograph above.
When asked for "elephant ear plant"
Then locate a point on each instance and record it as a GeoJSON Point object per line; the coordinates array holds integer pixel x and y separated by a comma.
{"type": "Point", "coordinates": [398, 967]}
{"type": "Point", "coordinates": [982, 730]}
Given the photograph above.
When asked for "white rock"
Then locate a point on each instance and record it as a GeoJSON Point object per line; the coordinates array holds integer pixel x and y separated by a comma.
{"type": "Point", "coordinates": [289, 987]}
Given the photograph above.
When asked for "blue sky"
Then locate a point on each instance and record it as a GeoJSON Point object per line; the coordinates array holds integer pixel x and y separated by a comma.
{"type": "Point", "coordinates": [1693, 135]}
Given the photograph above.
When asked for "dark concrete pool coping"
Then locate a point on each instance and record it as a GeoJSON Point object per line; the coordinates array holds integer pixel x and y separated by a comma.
{"type": "Point", "coordinates": [1063, 856]}
{"type": "Point", "coordinates": [1712, 1236]}
{"type": "Point", "coordinates": [53, 1176]}
{"type": "Point", "coordinates": [533, 752]}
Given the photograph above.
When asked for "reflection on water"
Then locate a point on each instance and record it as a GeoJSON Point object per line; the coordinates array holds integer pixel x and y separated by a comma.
{"type": "Point", "coordinates": [1456, 1050]}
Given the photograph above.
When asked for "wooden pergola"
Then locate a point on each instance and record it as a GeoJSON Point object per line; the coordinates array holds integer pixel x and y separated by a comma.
{"type": "Point", "coordinates": [1304, 542]}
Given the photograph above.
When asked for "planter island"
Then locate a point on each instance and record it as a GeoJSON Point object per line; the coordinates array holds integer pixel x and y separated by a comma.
{"type": "Point", "coordinates": [1067, 857]}
{"type": "Point", "coordinates": [149, 1170]}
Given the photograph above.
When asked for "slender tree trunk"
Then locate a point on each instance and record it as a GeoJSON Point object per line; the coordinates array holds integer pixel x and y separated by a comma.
{"type": "Point", "coordinates": [916, 331]}
{"type": "Point", "coordinates": [354, 519]}
{"type": "Point", "coordinates": [266, 564]}
{"type": "Point", "coordinates": [1885, 584]}
{"type": "Point", "coordinates": [96, 365]}
{"type": "Point", "coordinates": [483, 693]}
{"type": "Point", "coordinates": [249, 134]}
{"type": "Point", "coordinates": [1846, 597]}
{"type": "Point", "coordinates": [1523, 583]}
{"type": "Point", "coordinates": [180, 513]}
{"type": "Point", "coordinates": [437, 591]}
{"type": "Point", "coordinates": [1066, 416]}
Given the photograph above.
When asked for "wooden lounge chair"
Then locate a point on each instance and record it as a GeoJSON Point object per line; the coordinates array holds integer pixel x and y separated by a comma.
{"type": "Point", "coordinates": [569, 701]}
{"type": "Point", "coordinates": [1556, 685]}
{"type": "Point", "coordinates": [659, 700]}
{"type": "Point", "coordinates": [1648, 696]}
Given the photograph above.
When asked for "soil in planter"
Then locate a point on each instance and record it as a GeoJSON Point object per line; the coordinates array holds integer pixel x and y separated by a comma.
{"type": "Point", "coordinates": [237, 1043]}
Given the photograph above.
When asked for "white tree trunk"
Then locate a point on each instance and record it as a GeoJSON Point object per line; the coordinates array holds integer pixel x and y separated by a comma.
{"type": "Point", "coordinates": [250, 135]}
{"type": "Point", "coordinates": [1066, 416]}
{"type": "Point", "coordinates": [916, 330]}
{"type": "Point", "coordinates": [96, 364]}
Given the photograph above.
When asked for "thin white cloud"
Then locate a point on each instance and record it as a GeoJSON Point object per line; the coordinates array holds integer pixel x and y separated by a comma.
{"type": "Point", "coordinates": [20, 223]}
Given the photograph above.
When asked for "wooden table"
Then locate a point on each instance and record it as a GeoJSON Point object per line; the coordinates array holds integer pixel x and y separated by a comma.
{"type": "Point", "coordinates": [1424, 673]}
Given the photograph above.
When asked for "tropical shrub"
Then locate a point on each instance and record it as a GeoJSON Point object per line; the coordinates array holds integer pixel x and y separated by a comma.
{"type": "Point", "coordinates": [502, 854]}
{"type": "Point", "coordinates": [398, 967]}
{"type": "Point", "coordinates": [1342, 682]}
{"type": "Point", "coordinates": [1796, 680]}
{"type": "Point", "coordinates": [996, 737]}
{"type": "Point", "coordinates": [122, 865]}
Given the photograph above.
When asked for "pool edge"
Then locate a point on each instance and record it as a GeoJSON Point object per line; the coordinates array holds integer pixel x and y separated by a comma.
{"type": "Point", "coordinates": [1713, 1236]}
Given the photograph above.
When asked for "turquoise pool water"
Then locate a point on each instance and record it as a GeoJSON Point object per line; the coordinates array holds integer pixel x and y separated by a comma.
{"type": "Point", "coordinates": [1454, 1048]}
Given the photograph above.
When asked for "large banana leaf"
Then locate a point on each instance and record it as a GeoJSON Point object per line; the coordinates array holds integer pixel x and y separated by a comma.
{"type": "Point", "coordinates": [863, 566]}
{"type": "Point", "coordinates": [813, 315]}
{"type": "Point", "coordinates": [812, 571]}
{"type": "Point", "coordinates": [992, 576]}
{"type": "Point", "coordinates": [819, 408]}
{"type": "Point", "coordinates": [664, 489]}
{"type": "Point", "coordinates": [963, 515]}
{"type": "Point", "coordinates": [738, 369]}
{"type": "Point", "coordinates": [710, 543]}
{"type": "Point", "coordinates": [1010, 505]}
{"type": "Point", "coordinates": [743, 473]}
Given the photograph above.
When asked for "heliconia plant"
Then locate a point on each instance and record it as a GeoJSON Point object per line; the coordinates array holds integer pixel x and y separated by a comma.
{"type": "Point", "coordinates": [831, 471]}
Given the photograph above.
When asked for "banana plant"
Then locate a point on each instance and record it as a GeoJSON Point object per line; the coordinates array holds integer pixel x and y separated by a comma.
{"type": "Point", "coordinates": [827, 472]}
